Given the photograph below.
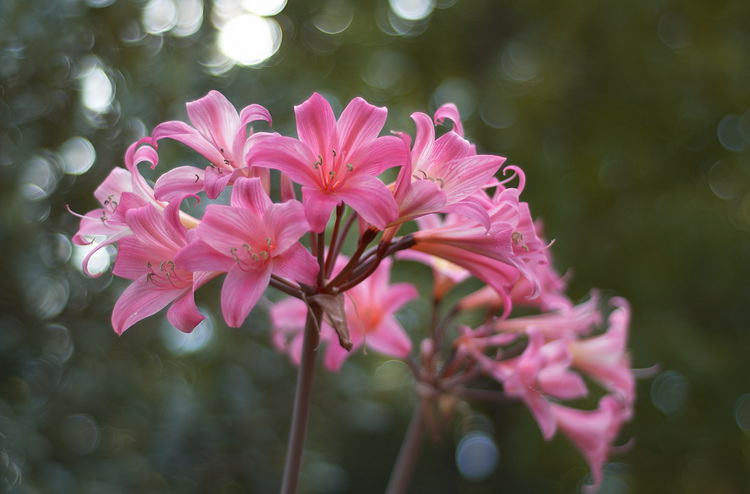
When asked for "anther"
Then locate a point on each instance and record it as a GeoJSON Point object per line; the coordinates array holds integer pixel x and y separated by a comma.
{"type": "Point", "coordinates": [318, 163]}
{"type": "Point", "coordinates": [332, 174]}
{"type": "Point", "coordinates": [442, 183]}
{"type": "Point", "coordinates": [264, 255]}
{"type": "Point", "coordinates": [255, 257]}
{"type": "Point", "coordinates": [197, 178]}
{"type": "Point", "coordinates": [517, 237]}
{"type": "Point", "coordinates": [268, 241]}
{"type": "Point", "coordinates": [350, 167]}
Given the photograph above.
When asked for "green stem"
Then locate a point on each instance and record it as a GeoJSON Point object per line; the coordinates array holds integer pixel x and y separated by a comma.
{"type": "Point", "coordinates": [302, 400]}
{"type": "Point", "coordinates": [407, 455]}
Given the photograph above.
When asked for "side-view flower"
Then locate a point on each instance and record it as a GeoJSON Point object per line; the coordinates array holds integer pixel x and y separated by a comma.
{"type": "Point", "coordinates": [293, 203]}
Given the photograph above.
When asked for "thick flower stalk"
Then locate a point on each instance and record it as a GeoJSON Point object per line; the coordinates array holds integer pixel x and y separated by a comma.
{"type": "Point", "coordinates": [464, 222]}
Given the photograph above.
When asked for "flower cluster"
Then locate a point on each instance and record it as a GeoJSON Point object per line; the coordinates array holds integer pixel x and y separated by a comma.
{"type": "Point", "coordinates": [293, 205]}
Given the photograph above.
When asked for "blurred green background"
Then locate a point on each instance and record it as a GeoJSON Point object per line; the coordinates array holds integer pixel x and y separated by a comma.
{"type": "Point", "coordinates": [630, 119]}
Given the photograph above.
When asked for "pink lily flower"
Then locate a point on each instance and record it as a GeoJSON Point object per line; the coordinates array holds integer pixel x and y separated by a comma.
{"type": "Point", "coordinates": [604, 357]}
{"type": "Point", "coordinates": [592, 432]}
{"type": "Point", "coordinates": [370, 308]}
{"type": "Point", "coordinates": [443, 174]}
{"type": "Point", "coordinates": [147, 257]}
{"type": "Point", "coordinates": [552, 289]}
{"type": "Point", "coordinates": [120, 192]}
{"type": "Point", "coordinates": [250, 240]}
{"type": "Point", "coordinates": [542, 370]}
{"type": "Point", "coordinates": [498, 255]}
{"type": "Point", "coordinates": [569, 323]}
{"type": "Point", "coordinates": [220, 135]}
{"type": "Point", "coordinates": [336, 161]}
{"type": "Point", "coordinates": [445, 273]}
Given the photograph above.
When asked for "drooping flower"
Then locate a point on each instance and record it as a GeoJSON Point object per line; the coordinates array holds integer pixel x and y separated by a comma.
{"type": "Point", "coordinates": [570, 323]}
{"type": "Point", "coordinates": [220, 135]}
{"type": "Point", "coordinates": [250, 240]}
{"type": "Point", "coordinates": [336, 161]}
{"type": "Point", "coordinates": [147, 257]}
{"type": "Point", "coordinates": [541, 371]}
{"type": "Point", "coordinates": [498, 255]}
{"type": "Point", "coordinates": [370, 313]}
{"type": "Point", "coordinates": [552, 295]}
{"type": "Point", "coordinates": [592, 431]}
{"type": "Point", "coordinates": [604, 357]}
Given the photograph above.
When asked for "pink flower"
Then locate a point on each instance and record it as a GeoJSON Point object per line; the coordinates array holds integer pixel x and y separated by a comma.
{"type": "Point", "coordinates": [542, 370]}
{"type": "Point", "coordinates": [443, 174]}
{"type": "Point", "coordinates": [498, 255]}
{"type": "Point", "coordinates": [220, 135]}
{"type": "Point", "coordinates": [121, 191]}
{"type": "Point", "coordinates": [336, 161]}
{"type": "Point", "coordinates": [370, 308]}
{"type": "Point", "coordinates": [562, 323]}
{"type": "Point", "coordinates": [148, 258]}
{"type": "Point", "coordinates": [250, 240]}
{"type": "Point", "coordinates": [552, 295]}
{"type": "Point", "coordinates": [445, 273]}
{"type": "Point", "coordinates": [592, 432]}
{"type": "Point", "coordinates": [604, 357]}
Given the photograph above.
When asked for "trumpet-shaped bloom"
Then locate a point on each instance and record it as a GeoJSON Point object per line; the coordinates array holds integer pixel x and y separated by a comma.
{"type": "Point", "coordinates": [336, 161]}
{"type": "Point", "coordinates": [443, 174]}
{"type": "Point", "coordinates": [592, 432]}
{"type": "Point", "coordinates": [542, 370]}
{"type": "Point", "coordinates": [249, 240]}
{"type": "Point", "coordinates": [370, 308]}
{"type": "Point", "coordinates": [121, 191]}
{"type": "Point", "coordinates": [604, 357]}
{"type": "Point", "coordinates": [219, 134]}
{"type": "Point", "coordinates": [147, 257]}
{"type": "Point", "coordinates": [498, 255]}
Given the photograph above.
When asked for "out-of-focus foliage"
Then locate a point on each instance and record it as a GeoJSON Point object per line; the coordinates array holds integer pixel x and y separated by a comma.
{"type": "Point", "coordinates": [631, 120]}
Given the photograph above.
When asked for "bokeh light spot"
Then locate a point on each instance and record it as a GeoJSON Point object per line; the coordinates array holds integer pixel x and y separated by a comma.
{"type": "Point", "coordinates": [412, 10]}
{"type": "Point", "coordinates": [264, 7]}
{"type": "Point", "coordinates": [250, 39]}
{"type": "Point", "coordinates": [181, 343]}
{"type": "Point", "coordinates": [78, 155]}
{"type": "Point", "coordinates": [742, 412]}
{"type": "Point", "coordinates": [460, 92]}
{"type": "Point", "coordinates": [391, 374]}
{"type": "Point", "coordinates": [674, 31]}
{"type": "Point", "coordinates": [47, 297]}
{"type": "Point", "coordinates": [730, 134]}
{"type": "Point", "coordinates": [80, 434]}
{"type": "Point", "coordinates": [97, 91]}
{"type": "Point", "coordinates": [669, 392]}
{"type": "Point", "coordinates": [159, 16]}
{"type": "Point", "coordinates": [189, 17]}
{"type": "Point", "coordinates": [477, 456]}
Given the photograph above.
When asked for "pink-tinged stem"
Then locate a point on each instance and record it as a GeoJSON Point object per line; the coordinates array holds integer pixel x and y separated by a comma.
{"type": "Point", "coordinates": [302, 401]}
{"type": "Point", "coordinates": [407, 455]}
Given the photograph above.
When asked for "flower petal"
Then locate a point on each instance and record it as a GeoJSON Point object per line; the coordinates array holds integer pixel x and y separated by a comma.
{"type": "Point", "coordinates": [315, 124]}
{"type": "Point", "coordinates": [178, 182]}
{"type": "Point", "coordinates": [241, 291]}
{"type": "Point", "coordinates": [369, 197]}
{"type": "Point", "coordinates": [183, 314]}
{"type": "Point", "coordinates": [216, 119]}
{"type": "Point", "coordinates": [139, 301]}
